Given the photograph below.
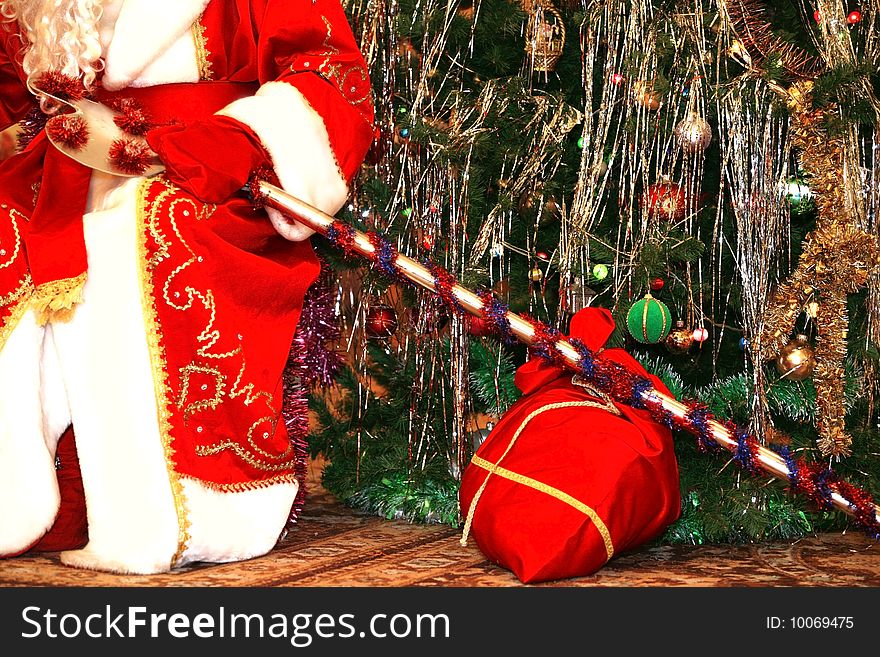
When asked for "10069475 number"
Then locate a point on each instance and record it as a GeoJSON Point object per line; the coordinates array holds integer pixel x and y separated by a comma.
{"type": "Point", "coordinates": [810, 623]}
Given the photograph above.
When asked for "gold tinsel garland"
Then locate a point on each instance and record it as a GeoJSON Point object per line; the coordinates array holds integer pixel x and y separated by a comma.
{"type": "Point", "coordinates": [836, 261]}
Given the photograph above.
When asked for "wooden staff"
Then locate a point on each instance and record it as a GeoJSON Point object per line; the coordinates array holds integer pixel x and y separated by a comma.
{"type": "Point", "coordinates": [768, 460]}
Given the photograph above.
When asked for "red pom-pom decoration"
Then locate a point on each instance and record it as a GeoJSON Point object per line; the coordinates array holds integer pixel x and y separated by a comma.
{"type": "Point", "coordinates": [854, 17]}
{"type": "Point", "coordinates": [381, 321]}
{"type": "Point", "coordinates": [69, 130]}
{"type": "Point", "coordinates": [132, 118]}
{"type": "Point", "coordinates": [65, 87]}
{"type": "Point", "coordinates": [131, 157]}
{"type": "Point", "coordinates": [666, 200]}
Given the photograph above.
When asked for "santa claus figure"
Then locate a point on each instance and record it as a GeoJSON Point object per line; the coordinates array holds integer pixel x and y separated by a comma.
{"type": "Point", "coordinates": [147, 319]}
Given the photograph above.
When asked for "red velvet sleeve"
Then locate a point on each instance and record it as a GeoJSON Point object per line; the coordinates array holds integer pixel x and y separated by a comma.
{"type": "Point", "coordinates": [15, 100]}
{"type": "Point", "coordinates": [309, 44]}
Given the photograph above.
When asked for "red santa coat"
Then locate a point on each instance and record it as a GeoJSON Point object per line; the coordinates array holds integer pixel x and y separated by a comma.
{"type": "Point", "coordinates": [220, 286]}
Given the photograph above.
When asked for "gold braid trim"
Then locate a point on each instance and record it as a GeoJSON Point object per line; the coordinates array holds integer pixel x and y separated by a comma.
{"type": "Point", "coordinates": [245, 486]}
{"type": "Point", "coordinates": [55, 301]}
{"type": "Point", "coordinates": [21, 298]}
{"type": "Point", "coordinates": [494, 468]}
{"type": "Point", "coordinates": [206, 70]}
{"type": "Point", "coordinates": [157, 362]}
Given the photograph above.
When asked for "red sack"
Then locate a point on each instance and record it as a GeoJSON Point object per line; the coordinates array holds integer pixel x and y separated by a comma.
{"type": "Point", "coordinates": [567, 478]}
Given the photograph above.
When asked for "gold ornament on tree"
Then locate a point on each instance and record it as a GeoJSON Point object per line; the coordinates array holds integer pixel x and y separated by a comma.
{"type": "Point", "coordinates": [645, 94]}
{"type": "Point", "coordinates": [693, 133]}
{"type": "Point", "coordinates": [680, 339]}
{"type": "Point", "coordinates": [837, 259]}
{"type": "Point", "coordinates": [545, 35]}
{"type": "Point", "coordinates": [797, 360]}
{"type": "Point", "coordinates": [839, 256]}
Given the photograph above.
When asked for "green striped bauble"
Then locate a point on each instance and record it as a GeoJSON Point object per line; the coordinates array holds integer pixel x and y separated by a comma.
{"type": "Point", "coordinates": [649, 320]}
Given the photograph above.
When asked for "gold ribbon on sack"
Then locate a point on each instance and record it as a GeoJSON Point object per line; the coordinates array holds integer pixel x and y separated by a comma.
{"type": "Point", "coordinates": [495, 468]}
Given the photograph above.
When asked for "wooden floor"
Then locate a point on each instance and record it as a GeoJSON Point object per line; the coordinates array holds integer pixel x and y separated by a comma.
{"type": "Point", "coordinates": [333, 546]}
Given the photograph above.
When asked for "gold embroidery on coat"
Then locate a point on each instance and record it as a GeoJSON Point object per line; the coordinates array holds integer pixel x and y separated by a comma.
{"type": "Point", "coordinates": [13, 214]}
{"type": "Point", "coordinates": [186, 374]}
{"type": "Point", "coordinates": [21, 298]}
{"type": "Point", "coordinates": [185, 299]}
{"type": "Point", "coordinates": [335, 74]}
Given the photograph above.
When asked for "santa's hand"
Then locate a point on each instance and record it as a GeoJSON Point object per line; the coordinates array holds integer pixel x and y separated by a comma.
{"type": "Point", "coordinates": [288, 227]}
{"type": "Point", "coordinates": [211, 159]}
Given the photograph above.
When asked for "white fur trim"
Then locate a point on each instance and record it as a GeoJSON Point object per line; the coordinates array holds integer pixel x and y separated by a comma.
{"type": "Point", "coordinates": [151, 44]}
{"type": "Point", "coordinates": [295, 136]}
{"type": "Point", "coordinates": [28, 437]}
{"type": "Point", "coordinates": [234, 526]}
{"type": "Point", "coordinates": [133, 524]}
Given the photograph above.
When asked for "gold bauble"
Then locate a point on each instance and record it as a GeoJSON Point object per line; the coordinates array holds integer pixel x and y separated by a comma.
{"type": "Point", "coordinates": [796, 360]}
{"type": "Point", "coordinates": [536, 275]}
{"type": "Point", "coordinates": [528, 201]}
{"type": "Point", "coordinates": [679, 339]}
{"type": "Point", "coordinates": [552, 211]}
{"type": "Point", "coordinates": [645, 95]}
{"type": "Point", "coordinates": [693, 133]}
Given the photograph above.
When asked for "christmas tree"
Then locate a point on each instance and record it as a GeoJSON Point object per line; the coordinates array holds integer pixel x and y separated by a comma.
{"type": "Point", "coordinates": [704, 169]}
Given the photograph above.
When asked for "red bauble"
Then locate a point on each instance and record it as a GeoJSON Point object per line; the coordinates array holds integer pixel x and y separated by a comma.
{"type": "Point", "coordinates": [381, 321]}
{"type": "Point", "coordinates": [854, 17]}
{"type": "Point", "coordinates": [379, 147]}
{"type": "Point", "coordinates": [657, 284]}
{"type": "Point", "coordinates": [817, 16]}
{"type": "Point", "coordinates": [479, 327]}
{"type": "Point", "coordinates": [665, 200]}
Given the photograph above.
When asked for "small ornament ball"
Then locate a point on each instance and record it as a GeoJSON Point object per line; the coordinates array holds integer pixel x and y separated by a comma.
{"type": "Point", "coordinates": [649, 320]}
{"type": "Point", "coordinates": [657, 284]}
{"type": "Point", "coordinates": [479, 327]}
{"type": "Point", "coordinates": [666, 200]}
{"type": "Point", "coordinates": [679, 339]}
{"type": "Point", "coordinates": [600, 271]}
{"type": "Point", "coordinates": [854, 17]}
{"type": "Point", "coordinates": [694, 134]}
{"type": "Point", "coordinates": [536, 275]}
{"type": "Point", "coordinates": [797, 360]}
{"type": "Point", "coordinates": [701, 334]}
{"type": "Point", "coordinates": [381, 321]}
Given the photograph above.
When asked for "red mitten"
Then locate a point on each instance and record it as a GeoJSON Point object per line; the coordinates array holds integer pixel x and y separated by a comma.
{"type": "Point", "coordinates": [212, 158]}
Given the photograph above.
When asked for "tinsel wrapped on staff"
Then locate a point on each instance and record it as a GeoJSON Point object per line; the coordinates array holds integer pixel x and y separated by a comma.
{"type": "Point", "coordinates": [819, 484]}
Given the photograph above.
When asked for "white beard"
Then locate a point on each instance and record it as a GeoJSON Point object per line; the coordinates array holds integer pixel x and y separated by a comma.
{"type": "Point", "coordinates": [63, 36]}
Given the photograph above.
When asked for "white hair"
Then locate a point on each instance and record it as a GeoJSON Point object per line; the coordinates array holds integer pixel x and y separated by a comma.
{"type": "Point", "coordinates": [60, 35]}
